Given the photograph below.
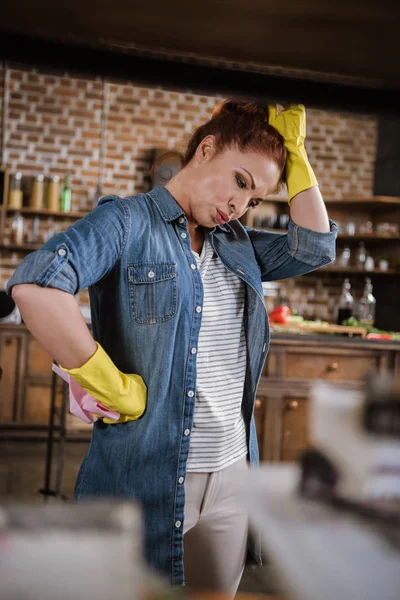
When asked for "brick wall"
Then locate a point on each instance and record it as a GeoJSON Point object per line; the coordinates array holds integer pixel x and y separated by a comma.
{"type": "Point", "coordinates": [54, 125]}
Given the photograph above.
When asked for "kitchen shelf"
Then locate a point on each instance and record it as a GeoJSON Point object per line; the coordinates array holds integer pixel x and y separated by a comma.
{"type": "Point", "coordinates": [372, 201]}
{"type": "Point", "coordinates": [355, 271]}
{"type": "Point", "coordinates": [357, 237]}
{"type": "Point", "coordinates": [20, 247]}
{"type": "Point", "coordinates": [366, 237]}
{"type": "Point", "coordinates": [25, 210]}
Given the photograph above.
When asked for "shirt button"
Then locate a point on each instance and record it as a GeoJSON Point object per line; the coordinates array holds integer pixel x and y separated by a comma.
{"type": "Point", "coordinates": [193, 267]}
{"type": "Point", "coordinates": [187, 432]}
{"type": "Point", "coordinates": [190, 393]}
{"type": "Point", "coordinates": [198, 309]}
{"type": "Point", "coordinates": [178, 524]}
{"type": "Point", "coordinates": [61, 252]}
{"type": "Point", "coordinates": [181, 480]}
{"type": "Point", "coordinates": [150, 274]}
{"type": "Point", "coordinates": [193, 351]}
{"type": "Point", "coordinates": [181, 220]}
{"type": "Point", "coordinates": [183, 235]}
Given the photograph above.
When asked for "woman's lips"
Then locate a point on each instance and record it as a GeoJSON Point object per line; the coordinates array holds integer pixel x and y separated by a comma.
{"type": "Point", "coordinates": [221, 217]}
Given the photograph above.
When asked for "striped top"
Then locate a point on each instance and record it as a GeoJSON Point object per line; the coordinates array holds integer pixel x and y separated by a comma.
{"type": "Point", "coordinates": [218, 436]}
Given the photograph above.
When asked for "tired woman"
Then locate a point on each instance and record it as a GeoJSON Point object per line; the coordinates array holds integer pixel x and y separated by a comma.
{"type": "Point", "coordinates": [180, 331]}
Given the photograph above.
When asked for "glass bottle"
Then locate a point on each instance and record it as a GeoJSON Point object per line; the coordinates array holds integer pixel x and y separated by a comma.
{"type": "Point", "coordinates": [15, 193]}
{"type": "Point", "coordinates": [53, 194]}
{"type": "Point", "coordinates": [346, 303]}
{"type": "Point", "coordinates": [361, 256]}
{"type": "Point", "coordinates": [344, 260]}
{"type": "Point", "coordinates": [367, 305]}
{"type": "Point", "coordinates": [66, 195]}
{"type": "Point", "coordinates": [17, 230]}
{"type": "Point", "coordinates": [37, 195]}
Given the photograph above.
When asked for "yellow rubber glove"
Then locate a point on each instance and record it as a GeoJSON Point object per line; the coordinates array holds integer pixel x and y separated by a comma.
{"type": "Point", "coordinates": [291, 124]}
{"type": "Point", "coordinates": [117, 391]}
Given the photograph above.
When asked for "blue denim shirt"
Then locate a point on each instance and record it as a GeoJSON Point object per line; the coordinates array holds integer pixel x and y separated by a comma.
{"type": "Point", "coordinates": [134, 254]}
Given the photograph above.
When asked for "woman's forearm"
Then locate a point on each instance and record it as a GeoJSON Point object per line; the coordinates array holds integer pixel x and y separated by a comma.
{"type": "Point", "coordinates": [55, 320]}
{"type": "Point", "coordinates": [308, 210]}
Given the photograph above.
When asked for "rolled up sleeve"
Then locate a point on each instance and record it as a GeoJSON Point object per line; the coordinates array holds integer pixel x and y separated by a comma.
{"type": "Point", "coordinates": [300, 251]}
{"type": "Point", "coordinates": [80, 256]}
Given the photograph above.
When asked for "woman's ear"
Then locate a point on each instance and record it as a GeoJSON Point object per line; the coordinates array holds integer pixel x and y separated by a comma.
{"type": "Point", "coordinates": [206, 150]}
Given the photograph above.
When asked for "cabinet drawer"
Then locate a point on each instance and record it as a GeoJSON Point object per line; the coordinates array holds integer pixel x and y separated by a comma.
{"type": "Point", "coordinates": [344, 366]}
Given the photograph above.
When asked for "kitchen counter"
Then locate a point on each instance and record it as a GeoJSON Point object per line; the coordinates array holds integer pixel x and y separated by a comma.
{"type": "Point", "coordinates": [294, 363]}
{"type": "Point", "coordinates": [332, 340]}
{"type": "Point", "coordinates": [284, 338]}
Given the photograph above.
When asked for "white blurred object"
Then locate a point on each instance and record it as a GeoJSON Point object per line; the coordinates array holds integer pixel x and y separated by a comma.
{"type": "Point", "coordinates": [368, 464]}
{"type": "Point", "coordinates": [88, 551]}
{"type": "Point", "coordinates": [320, 553]}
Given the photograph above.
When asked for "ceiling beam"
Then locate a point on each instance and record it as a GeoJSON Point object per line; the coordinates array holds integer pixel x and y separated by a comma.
{"type": "Point", "coordinates": [203, 78]}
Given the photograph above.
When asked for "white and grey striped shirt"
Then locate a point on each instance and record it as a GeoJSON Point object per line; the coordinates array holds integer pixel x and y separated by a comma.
{"type": "Point", "coordinates": [218, 437]}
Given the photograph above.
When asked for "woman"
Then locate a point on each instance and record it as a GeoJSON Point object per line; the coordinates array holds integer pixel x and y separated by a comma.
{"type": "Point", "coordinates": [177, 301]}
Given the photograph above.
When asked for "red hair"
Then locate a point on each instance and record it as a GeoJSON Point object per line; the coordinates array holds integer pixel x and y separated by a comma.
{"type": "Point", "coordinates": [244, 125]}
{"type": "Point", "coordinates": [236, 123]}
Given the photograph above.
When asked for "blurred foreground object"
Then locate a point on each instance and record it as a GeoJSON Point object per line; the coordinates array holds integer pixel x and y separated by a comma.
{"type": "Point", "coordinates": [88, 551]}
{"type": "Point", "coordinates": [331, 525]}
{"type": "Point", "coordinates": [359, 435]}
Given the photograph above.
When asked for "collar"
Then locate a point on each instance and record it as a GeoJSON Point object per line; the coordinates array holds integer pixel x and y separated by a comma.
{"type": "Point", "coordinates": [166, 203]}
{"type": "Point", "coordinates": [170, 209]}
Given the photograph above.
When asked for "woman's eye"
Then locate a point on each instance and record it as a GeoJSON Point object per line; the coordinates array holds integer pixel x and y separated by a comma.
{"type": "Point", "coordinates": [240, 182]}
{"type": "Point", "coordinates": [253, 203]}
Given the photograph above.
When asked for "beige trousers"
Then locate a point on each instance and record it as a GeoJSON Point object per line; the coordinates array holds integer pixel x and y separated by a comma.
{"type": "Point", "coordinates": [215, 530]}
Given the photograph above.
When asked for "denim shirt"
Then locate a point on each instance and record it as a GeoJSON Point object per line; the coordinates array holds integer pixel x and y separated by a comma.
{"type": "Point", "coordinates": [145, 290]}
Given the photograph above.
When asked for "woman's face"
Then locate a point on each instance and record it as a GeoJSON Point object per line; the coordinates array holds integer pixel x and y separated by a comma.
{"type": "Point", "coordinates": [224, 186]}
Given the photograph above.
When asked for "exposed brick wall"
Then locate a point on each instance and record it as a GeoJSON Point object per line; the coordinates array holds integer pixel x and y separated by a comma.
{"type": "Point", "coordinates": [54, 126]}
{"type": "Point", "coordinates": [139, 120]}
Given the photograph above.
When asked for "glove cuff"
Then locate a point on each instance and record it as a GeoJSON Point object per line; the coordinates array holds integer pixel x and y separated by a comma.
{"type": "Point", "coordinates": [299, 173]}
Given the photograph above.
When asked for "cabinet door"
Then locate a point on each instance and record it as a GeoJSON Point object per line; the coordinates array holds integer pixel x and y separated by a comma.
{"type": "Point", "coordinates": [281, 416]}
{"type": "Point", "coordinates": [38, 386]}
{"type": "Point", "coordinates": [282, 426]}
{"type": "Point", "coordinates": [295, 421]}
{"type": "Point", "coordinates": [12, 363]}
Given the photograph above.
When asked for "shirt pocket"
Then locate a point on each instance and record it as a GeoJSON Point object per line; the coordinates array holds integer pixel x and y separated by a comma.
{"type": "Point", "coordinates": [153, 292]}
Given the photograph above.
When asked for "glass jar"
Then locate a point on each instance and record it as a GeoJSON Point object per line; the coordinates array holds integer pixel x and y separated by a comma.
{"type": "Point", "coordinates": [53, 194]}
{"type": "Point", "coordinates": [15, 193]}
{"type": "Point", "coordinates": [17, 230]}
{"type": "Point", "coordinates": [37, 194]}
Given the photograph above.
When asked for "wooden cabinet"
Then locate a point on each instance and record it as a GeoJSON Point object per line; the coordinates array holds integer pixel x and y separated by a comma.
{"type": "Point", "coordinates": [13, 355]}
{"type": "Point", "coordinates": [328, 363]}
{"type": "Point", "coordinates": [282, 404]}
{"type": "Point", "coordinates": [293, 365]}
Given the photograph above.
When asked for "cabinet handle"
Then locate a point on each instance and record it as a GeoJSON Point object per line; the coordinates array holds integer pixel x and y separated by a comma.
{"type": "Point", "coordinates": [332, 367]}
{"type": "Point", "coordinates": [258, 403]}
{"type": "Point", "coordinates": [292, 405]}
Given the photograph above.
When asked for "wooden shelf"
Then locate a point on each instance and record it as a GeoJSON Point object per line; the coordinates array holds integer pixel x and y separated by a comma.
{"type": "Point", "coordinates": [373, 201]}
{"type": "Point", "coordinates": [357, 237]}
{"type": "Point", "coordinates": [369, 237]}
{"type": "Point", "coordinates": [25, 210]}
{"type": "Point", "coordinates": [355, 271]}
{"type": "Point", "coordinates": [20, 247]}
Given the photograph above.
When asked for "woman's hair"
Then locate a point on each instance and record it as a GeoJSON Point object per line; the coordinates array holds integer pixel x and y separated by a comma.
{"type": "Point", "coordinates": [241, 124]}
{"type": "Point", "coordinates": [236, 123]}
